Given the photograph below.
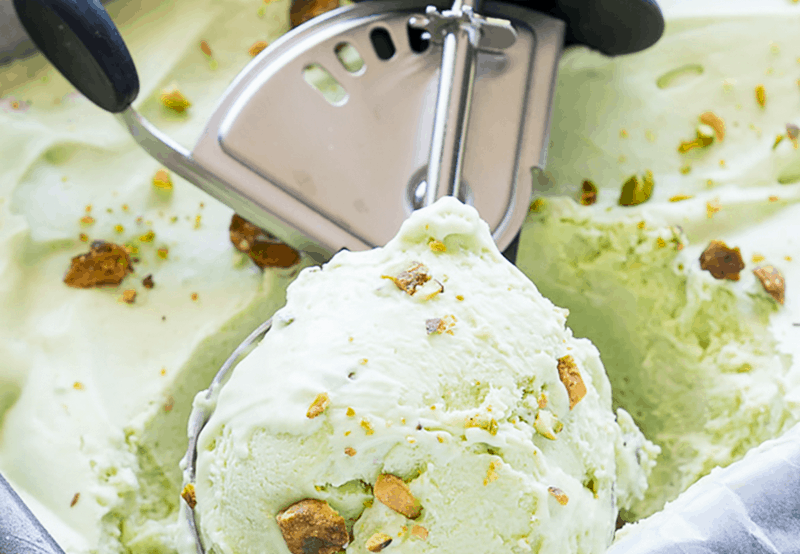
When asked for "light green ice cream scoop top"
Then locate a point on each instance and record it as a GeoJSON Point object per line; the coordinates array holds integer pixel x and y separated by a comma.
{"type": "Point", "coordinates": [420, 397]}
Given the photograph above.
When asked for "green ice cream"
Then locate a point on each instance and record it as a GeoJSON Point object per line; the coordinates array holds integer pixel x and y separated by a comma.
{"type": "Point", "coordinates": [469, 388]}
{"type": "Point", "coordinates": [95, 392]}
{"type": "Point", "coordinates": [707, 367]}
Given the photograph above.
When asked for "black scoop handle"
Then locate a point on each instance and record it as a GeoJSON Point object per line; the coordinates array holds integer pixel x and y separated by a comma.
{"type": "Point", "coordinates": [20, 531]}
{"type": "Point", "coordinates": [81, 41]}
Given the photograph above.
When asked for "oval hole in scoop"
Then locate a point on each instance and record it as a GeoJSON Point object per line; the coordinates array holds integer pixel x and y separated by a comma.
{"type": "Point", "coordinates": [326, 84]}
{"type": "Point", "coordinates": [679, 75]}
{"type": "Point", "coordinates": [382, 43]}
{"type": "Point", "coordinates": [350, 58]}
{"type": "Point", "coordinates": [418, 39]}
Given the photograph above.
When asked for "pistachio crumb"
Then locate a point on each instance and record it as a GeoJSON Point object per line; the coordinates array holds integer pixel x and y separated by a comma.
{"type": "Point", "coordinates": [411, 279]}
{"type": "Point", "coordinates": [437, 246]}
{"type": "Point", "coordinates": [588, 193]}
{"type": "Point", "coordinates": [636, 191]}
{"type": "Point", "coordinates": [712, 207]}
{"type": "Point", "coordinates": [491, 474]}
{"type": "Point", "coordinates": [715, 122]}
{"type": "Point", "coordinates": [257, 48]}
{"type": "Point", "coordinates": [391, 491]}
{"type": "Point", "coordinates": [75, 499]}
{"type": "Point", "coordinates": [419, 532]}
{"type": "Point", "coordinates": [367, 426]}
{"type": "Point", "coordinates": [263, 248]}
{"type": "Point", "coordinates": [482, 421]}
{"type": "Point", "coordinates": [572, 380]}
{"type": "Point", "coordinates": [559, 495]}
{"type": "Point", "coordinates": [305, 10]}
{"type": "Point", "coordinates": [350, 412]}
{"type": "Point", "coordinates": [437, 326]}
{"type": "Point", "coordinates": [537, 205]}
{"type": "Point", "coordinates": [378, 542]}
{"type": "Point", "coordinates": [547, 424]}
{"type": "Point", "coordinates": [680, 197]}
{"type": "Point", "coordinates": [542, 401]}
{"type": "Point", "coordinates": [83, 237]}
{"type": "Point", "coordinates": [162, 180]}
{"type": "Point", "coordinates": [104, 264]}
{"type": "Point", "coordinates": [188, 495]}
{"type": "Point", "coordinates": [761, 95]}
{"type": "Point", "coordinates": [772, 280]}
{"type": "Point", "coordinates": [312, 522]}
{"type": "Point", "coordinates": [174, 100]}
{"type": "Point", "coordinates": [77, 385]}
{"type": "Point", "coordinates": [320, 403]}
{"type": "Point", "coordinates": [129, 296]}
{"type": "Point", "coordinates": [722, 262]}
{"type": "Point", "coordinates": [350, 451]}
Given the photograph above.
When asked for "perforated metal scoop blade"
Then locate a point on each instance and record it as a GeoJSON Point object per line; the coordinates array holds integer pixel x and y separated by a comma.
{"type": "Point", "coordinates": [330, 175]}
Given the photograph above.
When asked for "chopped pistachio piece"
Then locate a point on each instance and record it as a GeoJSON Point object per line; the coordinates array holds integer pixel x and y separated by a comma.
{"type": "Point", "coordinates": [175, 100]}
{"type": "Point", "coordinates": [395, 494]}
{"type": "Point", "coordinates": [559, 495]}
{"type": "Point", "coordinates": [318, 406]}
{"type": "Point", "coordinates": [588, 193]}
{"type": "Point", "coordinates": [482, 421]}
{"type": "Point", "coordinates": [437, 246]}
{"type": "Point", "coordinates": [188, 495]}
{"type": "Point", "coordinates": [722, 262]}
{"type": "Point", "coordinates": [312, 527]}
{"type": "Point", "coordinates": [636, 191]}
{"type": "Point", "coordinates": [715, 122]}
{"type": "Point", "coordinates": [411, 279]}
{"type": "Point", "coordinates": [761, 95]}
{"type": "Point", "coordinates": [378, 542]}
{"type": "Point", "coordinates": [305, 10]}
{"type": "Point", "coordinates": [547, 424]}
{"type": "Point", "coordinates": [257, 48]}
{"type": "Point", "coordinates": [419, 532]}
{"type": "Point", "coordinates": [772, 280]}
{"type": "Point", "coordinates": [106, 264]}
{"type": "Point", "coordinates": [572, 380]}
{"type": "Point", "coordinates": [438, 326]}
{"type": "Point", "coordinates": [162, 180]}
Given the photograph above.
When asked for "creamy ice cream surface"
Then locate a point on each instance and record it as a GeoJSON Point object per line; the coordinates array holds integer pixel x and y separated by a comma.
{"type": "Point", "coordinates": [432, 360]}
{"type": "Point", "coordinates": [95, 392]}
{"type": "Point", "coordinates": [707, 366]}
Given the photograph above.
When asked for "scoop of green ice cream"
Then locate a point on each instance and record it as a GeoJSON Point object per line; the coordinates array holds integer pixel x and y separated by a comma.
{"type": "Point", "coordinates": [426, 393]}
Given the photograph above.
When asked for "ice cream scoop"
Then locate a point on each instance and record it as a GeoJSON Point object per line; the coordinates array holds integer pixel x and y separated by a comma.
{"type": "Point", "coordinates": [423, 395]}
